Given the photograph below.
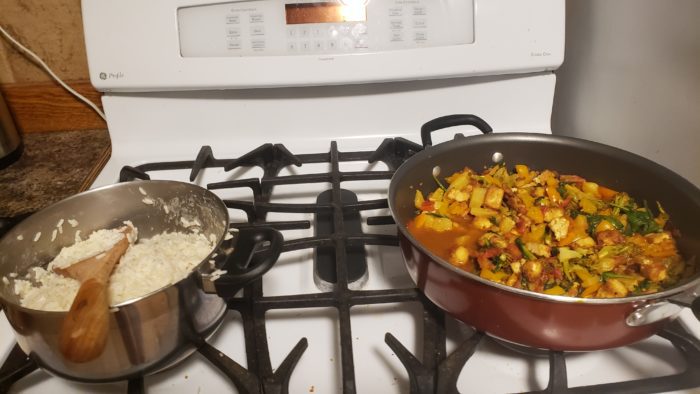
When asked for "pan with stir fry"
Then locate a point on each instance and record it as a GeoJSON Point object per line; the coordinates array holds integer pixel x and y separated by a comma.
{"type": "Point", "coordinates": [535, 256]}
{"type": "Point", "coordinates": [549, 233]}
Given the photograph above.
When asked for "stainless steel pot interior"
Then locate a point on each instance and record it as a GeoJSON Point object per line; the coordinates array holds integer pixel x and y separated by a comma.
{"type": "Point", "coordinates": [605, 165]}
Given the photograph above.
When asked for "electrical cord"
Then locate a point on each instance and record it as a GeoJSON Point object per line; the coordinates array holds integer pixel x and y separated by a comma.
{"type": "Point", "coordinates": [33, 56]}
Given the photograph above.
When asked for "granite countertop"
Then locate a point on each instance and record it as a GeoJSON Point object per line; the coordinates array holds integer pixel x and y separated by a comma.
{"type": "Point", "coordinates": [53, 166]}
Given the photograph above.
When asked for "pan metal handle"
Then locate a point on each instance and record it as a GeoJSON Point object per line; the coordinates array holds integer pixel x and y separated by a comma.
{"type": "Point", "coordinates": [652, 313]}
{"type": "Point", "coordinates": [668, 308]}
{"type": "Point", "coordinates": [450, 121]}
{"type": "Point", "coordinates": [255, 251]}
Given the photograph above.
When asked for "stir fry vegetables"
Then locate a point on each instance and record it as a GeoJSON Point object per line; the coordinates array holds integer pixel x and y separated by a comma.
{"type": "Point", "coordinates": [549, 233]}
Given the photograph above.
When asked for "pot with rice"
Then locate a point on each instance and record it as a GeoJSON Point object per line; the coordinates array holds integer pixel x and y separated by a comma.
{"type": "Point", "coordinates": [166, 294]}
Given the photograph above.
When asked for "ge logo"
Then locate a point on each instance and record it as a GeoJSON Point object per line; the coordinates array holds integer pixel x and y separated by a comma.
{"type": "Point", "coordinates": [103, 76]}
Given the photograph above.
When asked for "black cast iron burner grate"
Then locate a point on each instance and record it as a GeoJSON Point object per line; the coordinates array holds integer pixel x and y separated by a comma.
{"type": "Point", "coordinates": [437, 372]}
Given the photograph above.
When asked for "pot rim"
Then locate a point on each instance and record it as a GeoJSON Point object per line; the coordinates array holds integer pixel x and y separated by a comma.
{"type": "Point", "coordinates": [115, 308]}
{"type": "Point", "coordinates": [533, 137]}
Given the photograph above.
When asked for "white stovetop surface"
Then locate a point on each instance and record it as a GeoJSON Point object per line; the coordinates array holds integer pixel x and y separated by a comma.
{"type": "Point", "coordinates": [492, 368]}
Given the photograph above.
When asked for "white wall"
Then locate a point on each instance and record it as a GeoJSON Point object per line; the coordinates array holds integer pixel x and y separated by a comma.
{"type": "Point", "coordinates": [631, 79]}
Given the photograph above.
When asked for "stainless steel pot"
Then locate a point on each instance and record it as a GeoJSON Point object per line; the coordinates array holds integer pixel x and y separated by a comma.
{"type": "Point", "coordinates": [154, 331]}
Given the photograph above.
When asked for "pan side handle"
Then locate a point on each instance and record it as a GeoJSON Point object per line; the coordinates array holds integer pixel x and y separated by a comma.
{"type": "Point", "coordinates": [668, 308]}
{"type": "Point", "coordinates": [450, 121]}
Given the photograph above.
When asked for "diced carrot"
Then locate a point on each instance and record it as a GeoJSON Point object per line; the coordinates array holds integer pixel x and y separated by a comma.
{"type": "Point", "coordinates": [605, 193]}
{"type": "Point", "coordinates": [590, 290]}
{"type": "Point", "coordinates": [427, 205]}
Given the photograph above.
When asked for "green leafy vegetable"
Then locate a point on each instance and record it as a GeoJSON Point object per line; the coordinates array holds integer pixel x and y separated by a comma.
{"type": "Point", "coordinates": [439, 183]}
{"type": "Point", "coordinates": [594, 220]}
{"type": "Point", "coordinates": [612, 275]}
{"type": "Point", "coordinates": [641, 221]}
{"type": "Point", "coordinates": [528, 255]}
{"type": "Point", "coordinates": [437, 215]}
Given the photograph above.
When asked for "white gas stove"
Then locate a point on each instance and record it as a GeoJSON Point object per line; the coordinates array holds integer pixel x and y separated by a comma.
{"type": "Point", "coordinates": [180, 75]}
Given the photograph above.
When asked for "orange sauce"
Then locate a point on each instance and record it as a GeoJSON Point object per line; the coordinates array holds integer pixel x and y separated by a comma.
{"type": "Point", "coordinates": [444, 243]}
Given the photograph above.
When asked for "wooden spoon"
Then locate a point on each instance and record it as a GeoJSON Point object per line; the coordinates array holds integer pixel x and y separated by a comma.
{"type": "Point", "coordinates": [84, 332]}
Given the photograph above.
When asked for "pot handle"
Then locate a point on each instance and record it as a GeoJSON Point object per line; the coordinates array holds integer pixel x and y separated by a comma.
{"type": "Point", "coordinates": [651, 313]}
{"type": "Point", "coordinates": [255, 251]}
{"type": "Point", "coordinates": [450, 121]}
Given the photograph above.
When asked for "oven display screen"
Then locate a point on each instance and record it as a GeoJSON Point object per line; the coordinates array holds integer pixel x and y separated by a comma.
{"type": "Point", "coordinates": [326, 12]}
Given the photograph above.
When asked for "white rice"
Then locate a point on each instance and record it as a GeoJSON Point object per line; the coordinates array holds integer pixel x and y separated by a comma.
{"type": "Point", "coordinates": [155, 263]}
{"type": "Point", "coordinates": [147, 266]}
{"type": "Point", "coordinates": [97, 242]}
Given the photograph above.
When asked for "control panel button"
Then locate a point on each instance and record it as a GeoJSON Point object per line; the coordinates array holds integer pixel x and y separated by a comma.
{"type": "Point", "coordinates": [292, 46]}
{"type": "Point", "coordinates": [396, 24]}
{"type": "Point", "coordinates": [396, 36]}
{"type": "Point", "coordinates": [291, 32]}
{"type": "Point", "coordinates": [257, 18]}
{"type": "Point", "coordinates": [420, 23]}
{"type": "Point", "coordinates": [396, 11]}
{"type": "Point", "coordinates": [233, 31]}
{"type": "Point", "coordinates": [319, 45]}
{"type": "Point", "coordinates": [257, 44]}
{"type": "Point", "coordinates": [257, 31]}
{"type": "Point", "coordinates": [233, 44]}
{"type": "Point", "coordinates": [305, 46]}
{"type": "Point", "coordinates": [420, 36]}
{"type": "Point", "coordinates": [232, 19]}
{"type": "Point", "coordinates": [419, 10]}
{"type": "Point", "coordinates": [332, 45]}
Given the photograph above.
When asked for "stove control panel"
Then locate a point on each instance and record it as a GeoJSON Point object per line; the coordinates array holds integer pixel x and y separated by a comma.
{"type": "Point", "coordinates": [283, 28]}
